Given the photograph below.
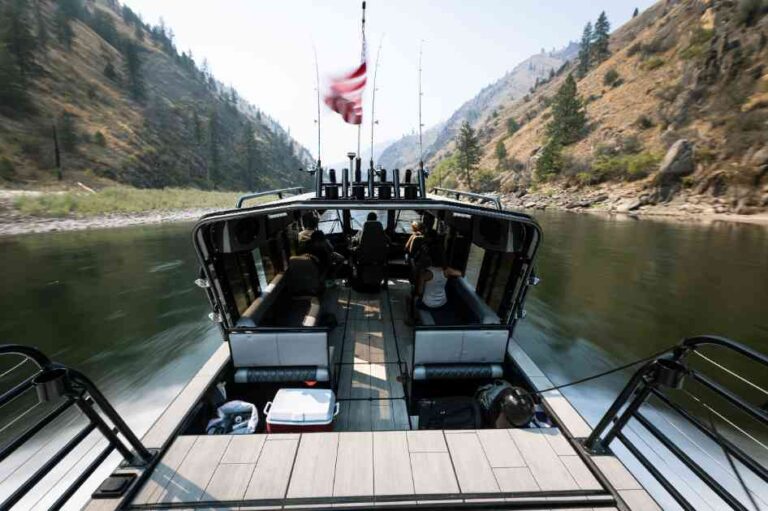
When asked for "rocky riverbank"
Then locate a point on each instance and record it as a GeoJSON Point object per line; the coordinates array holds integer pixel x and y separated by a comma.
{"type": "Point", "coordinates": [627, 200]}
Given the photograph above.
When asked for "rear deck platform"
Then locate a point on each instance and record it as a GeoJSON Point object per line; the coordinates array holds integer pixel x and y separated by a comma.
{"type": "Point", "coordinates": [383, 466]}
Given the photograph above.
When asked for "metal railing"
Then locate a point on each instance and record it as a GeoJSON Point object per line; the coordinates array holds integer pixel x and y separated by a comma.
{"type": "Point", "coordinates": [662, 375]}
{"type": "Point", "coordinates": [54, 383]}
{"type": "Point", "coordinates": [458, 194]}
{"type": "Point", "coordinates": [296, 190]}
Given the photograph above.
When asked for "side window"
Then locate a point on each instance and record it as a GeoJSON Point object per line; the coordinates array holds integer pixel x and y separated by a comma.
{"type": "Point", "coordinates": [261, 272]}
{"type": "Point", "coordinates": [474, 264]}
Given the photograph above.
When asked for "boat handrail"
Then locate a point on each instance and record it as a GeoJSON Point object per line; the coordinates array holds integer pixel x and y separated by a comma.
{"type": "Point", "coordinates": [296, 190]}
{"type": "Point", "coordinates": [669, 372]}
{"type": "Point", "coordinates": [458, 194]}
{"type": "Point", "coordinates": [55, 383]}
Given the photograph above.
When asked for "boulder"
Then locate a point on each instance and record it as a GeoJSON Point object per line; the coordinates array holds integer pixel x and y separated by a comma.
{"type": "Point", "coordinates": [678, 162]}
{"type": "Point", "coordinates": [627, 205]}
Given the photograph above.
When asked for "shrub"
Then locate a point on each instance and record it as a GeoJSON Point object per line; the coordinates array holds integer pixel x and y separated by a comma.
{"type": "Point", "coordinates": [611, 78]}
{"type": "Point", "coordinates": [629, 167]}
{"type": "Point", "coordinates": [99, 139]}
{"type": "Point", "coordinates": [750, 10]}
{"type": "Point", "coordinates": [644, 122]}
{"type": "Point", "coordinates": [698, 44]}
{"type": "Point", "coordinates": [7, 171]}
{"type": "Point", "coordinates": [484, 180]}
{"type": "Point", "coordinates": [512, 126]}
{"type": "Point", "coordinates": [652, 63]}
{"type": "Point", "coordinates": [550, 161]}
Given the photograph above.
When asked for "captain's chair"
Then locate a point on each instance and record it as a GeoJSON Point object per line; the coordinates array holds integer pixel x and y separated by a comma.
{"type": "Point", "coordinates": [370, 257]}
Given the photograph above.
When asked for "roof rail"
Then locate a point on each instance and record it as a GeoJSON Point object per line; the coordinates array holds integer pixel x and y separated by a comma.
{"type": "Point", "coordinates": [67, 387]}
{"type": "Point", "coordinates": [472, 195]}
{"type": "Point", "coordinates": [296, 190]}
{"type": "Point", "coordinates": [664, 378]}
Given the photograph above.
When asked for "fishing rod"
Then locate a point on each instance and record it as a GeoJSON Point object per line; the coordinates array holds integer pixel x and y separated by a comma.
{"type": "Point", "coordinates": [422, 177]}
{"type": "Point", "coordinates": [359, 126]}
{"type": "Point", "coordinates": [317, 89]}
{"type": "Point", "coordinates": [373, 97]}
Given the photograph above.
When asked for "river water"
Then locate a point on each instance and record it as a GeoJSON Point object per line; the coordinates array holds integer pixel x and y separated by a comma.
{"type": "Point", "coordinates": [120, 305]}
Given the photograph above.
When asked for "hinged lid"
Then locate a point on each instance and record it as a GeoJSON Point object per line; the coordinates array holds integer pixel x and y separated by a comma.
{"type": "Point", "coordinates": [301, 406]}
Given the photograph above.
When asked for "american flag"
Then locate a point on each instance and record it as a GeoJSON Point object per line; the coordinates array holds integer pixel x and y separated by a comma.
{"type": "Point", "coordinates": [346, 95]}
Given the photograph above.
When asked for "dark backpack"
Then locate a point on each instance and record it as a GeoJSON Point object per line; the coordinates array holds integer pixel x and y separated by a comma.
{"type": "Point", "coordinates": [450, 413]}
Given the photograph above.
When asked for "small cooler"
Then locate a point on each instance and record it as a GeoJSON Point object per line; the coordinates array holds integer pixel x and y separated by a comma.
{"type": "Point", "coordinates": [301, 411]}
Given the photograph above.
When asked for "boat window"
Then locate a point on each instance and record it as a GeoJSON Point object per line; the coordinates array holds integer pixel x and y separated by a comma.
{"type": "Point", "coordinates": [495, 278]}
{"type": "Point", "coordinates": [330, 222]}
{"type": "Point", "coordinates": [474, 263]}
{"type": "Point", "coordinates": [261, 272]}
{"type": "Point", "coordinates": [403, 220]}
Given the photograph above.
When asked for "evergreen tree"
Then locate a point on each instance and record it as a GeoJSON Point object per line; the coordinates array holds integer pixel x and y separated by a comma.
{"type": "Point", "coordinates": [214, 150]}
{"type": "Point", "coordinates": [13, 90]}
{"type": "Point", "coordinates": [16, 34]}
{"type": "Point", "coordinates": [600, 38]}
{"type": "Point", "coordinates": [135, 78]}
{"type": "Point", "coordinates": [68, 137]}
{"type": "Point", "coordinates": [64, 32]}
{"type": "Point", "coordinates": [109, 71]}
{"type": "Point", "coordinates": [42, 28]}
{"type": "Point", "coordinates": [550, 160]}
{"type": "Point", "coordinates": [585, 50]}
{"type": "Point", "coordinates": [512, 126]}
{"type": "Point", "coordinates": [501, 153]}
{"type": "Point", "coordinates": [468, 151]}
{"type": "Point", "coordinates": [250, 157]}
{"type": "Point", "coordinates": [637, 11]}
{"type": "Point", "coordinates": [568, 116]}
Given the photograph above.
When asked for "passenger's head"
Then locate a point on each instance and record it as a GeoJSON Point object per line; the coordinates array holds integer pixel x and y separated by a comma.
{"type": "Point", "coordinates": [309, 220]}
{"type": "Point", "coordinates": [372, 217]}
{"type": "Point", "coordinates": [436, 255]}
{"type": "Point", "coordinates": [417, 227]}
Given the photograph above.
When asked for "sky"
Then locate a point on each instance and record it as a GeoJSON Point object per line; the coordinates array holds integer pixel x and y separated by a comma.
{"type": "Point", "coordinates": [264, 49]}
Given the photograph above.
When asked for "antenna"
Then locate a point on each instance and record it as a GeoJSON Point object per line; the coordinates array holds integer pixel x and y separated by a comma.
{"type": "Point", "coordinates": [373, 96]}
{"type": "Point", "coordinates": [317, 89]}
{"type": "Point", "coordinates": [362, 58]}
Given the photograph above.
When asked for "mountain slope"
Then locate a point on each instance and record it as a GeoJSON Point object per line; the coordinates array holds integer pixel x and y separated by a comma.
{"type": "Point", "coordinates": [688, 74]}
{"type": "Point", "coordinates": [514, 85]}
{"type": "Point", "coordinates": [128, 107]}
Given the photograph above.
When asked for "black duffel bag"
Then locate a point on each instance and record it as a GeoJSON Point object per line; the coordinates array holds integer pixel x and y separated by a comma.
{"type": "Point", "coordinates": [450, 413]}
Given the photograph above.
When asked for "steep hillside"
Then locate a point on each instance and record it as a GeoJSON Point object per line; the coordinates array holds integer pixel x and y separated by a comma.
{"type": "Point", "coordinates": [126, 106]}
{"type": "Point", "coordinates": [480, 110]}
{"type": "Point", "coordinates": [677, 113]}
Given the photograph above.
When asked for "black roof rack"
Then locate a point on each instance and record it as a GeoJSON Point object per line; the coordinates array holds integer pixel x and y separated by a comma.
{"type": "Point", "coordinates": [458, 194]}
{"type": "Point", "coordinates": [296, 190]}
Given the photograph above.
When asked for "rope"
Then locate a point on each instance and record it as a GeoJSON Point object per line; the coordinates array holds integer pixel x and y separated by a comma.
{"type": "Point", "coordinates": [753, 385]}
{"type": "Point", "coordinates": [606, 373]}
{"type": "Point", "coordinates": [12, 369]}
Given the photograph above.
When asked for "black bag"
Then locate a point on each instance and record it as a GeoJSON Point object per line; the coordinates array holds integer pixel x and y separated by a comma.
{"type": "Point", "coordinates": [450, 413]}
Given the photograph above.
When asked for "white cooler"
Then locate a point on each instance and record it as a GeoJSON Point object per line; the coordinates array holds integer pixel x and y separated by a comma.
{"type": "Point", "coordinates": [301, 411]}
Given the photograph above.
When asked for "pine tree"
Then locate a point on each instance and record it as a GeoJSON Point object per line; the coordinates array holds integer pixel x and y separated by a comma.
{"type": "Point", "coordinates": [512, 126]}
{"type": "Point", "coordinates": [133, 69]}
{"type": "Point", "coordinates": [42, 28]}
{"type": "Point", "coordinates": [13, 90]}
{"type": "Point", "coordinates": [214, 151]}
{"type": "Point", "coordinates": [568, 116]}
{"type": "Point", "coordinates": [468, 151]}
{"type": "Point", "coordinates": [637, 11]}
{"type": "Point", "coordinates": [600, 38]}
{"type": "Point", "coordinates": [585, 50]}
{"type": "Point", "coordinates": [68, 136]}
{"type": "Point", "coordinates": [250, 157]}
{"type": "Point", "coordinates": [550, 160]}
{"type": "Point", "coordinates": [109, 71]}
{"type": "Point", "coordinates": [501, 153]}
{"type": "Point", "coordinates": [16, 34]}
{"type": "Point", "coordinates": [64, 32]}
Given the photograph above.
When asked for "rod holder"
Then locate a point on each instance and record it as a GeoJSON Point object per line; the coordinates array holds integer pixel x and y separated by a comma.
{"type": "Point", "coordinates": [345, 183]}
{"type": "Point", "coordinates": [669, 373]}
{"type": "Point", "coordinates": [396, 182]}
{"type": "Point", "coordinates": [51, 384]}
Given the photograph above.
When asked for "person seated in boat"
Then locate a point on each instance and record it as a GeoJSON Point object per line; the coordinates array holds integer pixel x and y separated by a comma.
{"type": "Point", "coordinates": [370, 224]}
{"type": "Point", "coordinates": [416, 240]}
{"type": "Point", "coordinates": [314, 242]}
{"type": "Point", "coordinates": [431, 282]}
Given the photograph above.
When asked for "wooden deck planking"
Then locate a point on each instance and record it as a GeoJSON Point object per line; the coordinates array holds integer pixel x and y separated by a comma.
{"type": "Point", "coordinates": [545, 465]}
{"type": "Point", "coordinates": [433, 473]}
{"type": "Point", "coordinates": [229, 482]}
{"type": "Point", "coordinates": [314, 468]}
{"type": "Point", "coordinates": [515, 479]}
{"type": "Point", "coordinates": [354, 465]}
{"type": "Point", "coordinates": [243, 449]}
{"type": "Point", "coordinates": [273, 470]}
{"type": "Point", "coordinates": [426, 441]}
{"type": "Point", "coordinates": [473, 470]}
{"type": "Point", "coordinates": [165, 470]}
{"type": "Point", "coordinates": [195, 471]}
{"type": "Point", "coordinates": [391, 464]}
{"type": "Point", "coordinates": [500, 449]}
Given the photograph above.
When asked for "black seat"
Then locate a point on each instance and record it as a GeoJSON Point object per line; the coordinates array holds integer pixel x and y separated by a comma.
{"type": "Point", "coordinates": [371, 257]}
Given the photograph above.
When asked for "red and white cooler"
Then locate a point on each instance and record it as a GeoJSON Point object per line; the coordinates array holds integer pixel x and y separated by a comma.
{"type": "Point", "coordinates": [301, 411]}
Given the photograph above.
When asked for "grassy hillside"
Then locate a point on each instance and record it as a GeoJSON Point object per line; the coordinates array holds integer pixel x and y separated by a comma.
{"type": "Point", "coordinates": [682, 70]}
{"type": "Point", "coordinates": [127, 107]}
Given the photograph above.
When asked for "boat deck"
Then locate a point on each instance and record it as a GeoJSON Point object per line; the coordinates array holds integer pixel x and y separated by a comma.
{"type": "Point", "coordinates": [376, 453]}
{"type": "Point", "coordinates": [382, 466]}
